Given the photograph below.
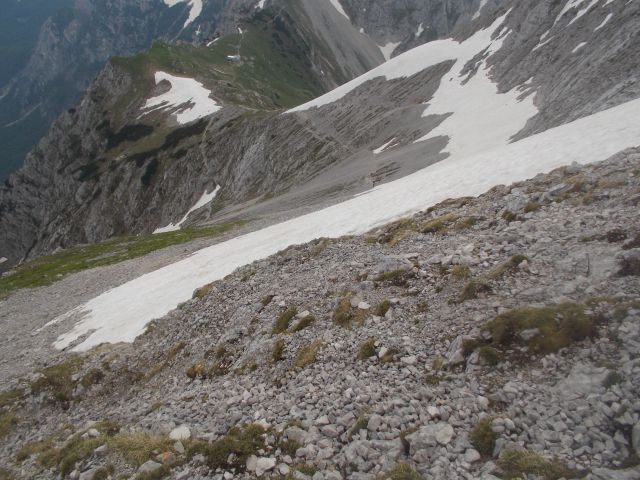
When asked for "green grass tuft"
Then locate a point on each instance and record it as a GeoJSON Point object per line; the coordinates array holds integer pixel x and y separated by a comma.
{"type": "Point", "coordinates": [307, 354]}
{"type": "Point", "coordinates": [283, 321]}
{"type": "Point", "coordinates": [367, 349]}
{"type": "Point", "coordinates": [277, 354]}
{"type": "Point", "coordinates": [558, 326]}
{"type": "Point", "coordinates": [402, 471]}
{"type": "Point", "coordinates": [51, 268]}
{"type": "Point", "coordinates": [518, 464]}
{"type": "Point", "coordinates": [57, 381]}
{"type": "Point", "coordinates": [482, 437]}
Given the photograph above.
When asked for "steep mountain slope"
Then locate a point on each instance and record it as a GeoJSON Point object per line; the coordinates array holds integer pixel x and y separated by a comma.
{"type": "Point", "coordinates": [491, 337]}
{"type": "Point", "coordinates": [82, 185]}
{"type": "Point", "coordinates": [74, 44]}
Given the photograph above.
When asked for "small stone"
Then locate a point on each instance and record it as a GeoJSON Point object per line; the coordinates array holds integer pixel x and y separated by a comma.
{"type": "Point", "coordinates": [471, 455]}
{"type": "Point", "coordinates": [179, 447]}
{"type": "Point", "coordinates": [180, 433]}
{"type": "Point", "coordinates": [251, 464]}
{"type": "Point", "coordinates": [102, 450]}
{"type": "Point", "coordinates": [364, 306]}
{"type": "Point", "coordinates": [265, 464]}
{"type": "Point", "coordinates": [149, 467]}
{"type": "Point", "coordinates": [409, 360]}
{"type": "Point", "coordinates": [374, 423]}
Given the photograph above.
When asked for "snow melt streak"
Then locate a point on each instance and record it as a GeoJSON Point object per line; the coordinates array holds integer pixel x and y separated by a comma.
{"type": "Point", "coordinates": [194, 11]}
{"type": "Point", "coordinates": [187, 98]}
{"type": "Point", "coordinates": [204, 200]}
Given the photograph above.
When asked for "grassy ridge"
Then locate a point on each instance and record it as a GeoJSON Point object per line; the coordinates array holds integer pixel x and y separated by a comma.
{"type": "Point", "coordinates": [51, 268]}
{"type": "Point", "coordinates": [274, 71]}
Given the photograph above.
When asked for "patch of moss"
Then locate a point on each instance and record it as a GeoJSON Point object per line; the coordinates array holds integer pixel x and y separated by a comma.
{"type": "Point", "coordinates": [613, 378]}
{"type": "Point", "coordinates": [382, 308]}
{"type": "Point", "coordinates": [509, 266]}
{"type": "Point", "coordinates": [266, 300]}
{"type": "Point", "coordinates": [461, 272]}
{"type": "Point", "coordinates": [232, 450]}
{"type": "Point", "coordinates": [532, 207]}
{"type": "Point", "coordinates": [466, 223]}
{"type": "Point", "coordinates": [489, 354]}
{"type": "Point", "coordinates": [283, 321]}
{"type": "Point", "coordinates": [10, 398]}
{"type": "Point", "coordinates": [518, 464]}
{"type": "Point", "coordinates": [277, 353]}
{"type": "Point", "coordinates": [394, 277]}
{"type": "Point", "coordinates": [307, 354]}
{"type": "Point", "coordinates": [367, 349]}
{"type": "Point", "coordinates": [137, 448]}
{"type": "Point", "coordinates": [51, 268]}
{"type": "Point", "coordinates": [439, 225]}
{"type": "Point", "coordinates": [92, 377]}
{"type": "Point", "coordinates": [396, 231]}
{"type": "Point", "coordinates": [402, 471]}
{"type": "Point", "coordinates": [289, 447]}
{"type": "Point", "coordinates": [197, 370]}
{"type": "Point", "coordinates": [6, 474]}
{"type": "Point", "coordinates": [509, 216]}
{"type": "Point", "coordinates": [482, 437]}
{"type": "Point", "coordinates": [360, 424]}
{"type": "Point", "coordinates": [345, 315]}
{"type": "Point", "coordinates": [7, 423]}
{"type": "Point", "coordinates": [558, 327]}
{"type": "Point", "coordinates": [302, 324]}
{"type": "Point", "coordinates": [57, 380]}
{"type": "Point", "coordinates": [472, 289]}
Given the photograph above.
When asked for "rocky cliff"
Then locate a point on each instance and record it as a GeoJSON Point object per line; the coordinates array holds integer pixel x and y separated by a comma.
{"type": "Point", "coordinates": [104, 170]}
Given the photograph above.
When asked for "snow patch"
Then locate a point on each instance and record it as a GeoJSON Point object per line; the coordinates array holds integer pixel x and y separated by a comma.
{"type": "Point", "coordinates": [410, 63]}
{"type": "Point", "coordinates": [260, 4]}
{"type": "Point", "coordinates": [578, 47]}
{"type": "Point", "coordinates": [121, 314]}
{"type": "Point", "coordinates": [387, 50]}
{"type": "Point", "coordinates": [338, 6]}
{"type": "Point", "coordinates": [477, 14]}
{"type": "Point", "coordinates": [570, 5]}
{"type": "Point", "coordinates": [194, 11]}
{"type": "Point", "coordinates": [187, 99]}
{"type": "Point", "coordinates": [384, 147]}
{"type": "Point", "coordinates": [420, 30]}
{"type": "Point", "coordinates": [468, 103]}
{"type": "Point", "coordinates": [604, 22]}
{"type": "Point", "coordinates": [204, 200]}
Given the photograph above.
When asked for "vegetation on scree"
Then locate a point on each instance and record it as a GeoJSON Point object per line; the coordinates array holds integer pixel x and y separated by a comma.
{"type": "Point", "coordinates": [51, 268]}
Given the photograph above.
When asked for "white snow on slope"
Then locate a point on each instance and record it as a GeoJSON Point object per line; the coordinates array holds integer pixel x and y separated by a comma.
{"type": "Point", "coordinates": [470, 104]}
{"type": "Point", "coordinates": [571, 4]}
{"type": "Point", "coordinates": [387, 50]}
{"type": "Point", "coordinates": [120, 315]}
{"type": "Point", "coordinates": [204, 200]}
{"type": "Point", "coordinates": [194, 11]}
{"type": "Point", "coordinates": [477, 14]}
{"type": "Point", "coordinates": [410, 63]}
{"type": "Point", "coordinates": [382, 148]}
{"type": "Point", "coordinates": [604, 22]}
{"type": "Point", "coordinates": [188, 100]}
{"type": "Point", "coordinates": [338, 6]}
{"type": "Point", "coordinates": [578, 47]}
{"type": "Point", "coordinates": [420, 30]}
